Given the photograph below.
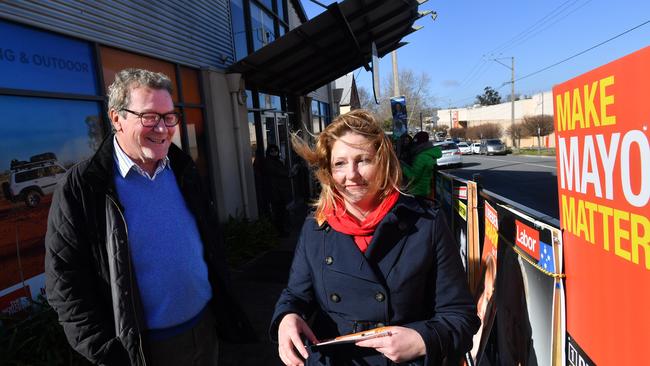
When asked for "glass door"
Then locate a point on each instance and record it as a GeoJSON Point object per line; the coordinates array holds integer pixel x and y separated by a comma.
{"type": "Point", "coordinates": [277, 132]}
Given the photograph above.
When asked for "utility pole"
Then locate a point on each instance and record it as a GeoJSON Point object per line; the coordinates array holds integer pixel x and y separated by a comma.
{"type": "Point", "coordinates": [421, 128]}
{"type": "Point", "coordinates": [395, 74]}
{"type": "Point", "coordinates": [512, 99]}
{"type": "Point", "coordinates": [512, 95]}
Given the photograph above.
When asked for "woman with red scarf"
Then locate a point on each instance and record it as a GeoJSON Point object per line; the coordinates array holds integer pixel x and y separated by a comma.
{"type": "Point", "coordinates": [371, 257]}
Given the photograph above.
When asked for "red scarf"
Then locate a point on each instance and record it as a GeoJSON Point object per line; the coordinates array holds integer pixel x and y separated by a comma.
{"type": "Point", "coordinates": [342, 221]}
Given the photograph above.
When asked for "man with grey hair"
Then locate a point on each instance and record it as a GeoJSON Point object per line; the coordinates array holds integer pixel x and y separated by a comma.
{"type": "Point", "coordinates": [134, 265]}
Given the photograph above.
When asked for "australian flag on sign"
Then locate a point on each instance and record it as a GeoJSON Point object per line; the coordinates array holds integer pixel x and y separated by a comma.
{"type": "Point", "coordinates": [546, 259]}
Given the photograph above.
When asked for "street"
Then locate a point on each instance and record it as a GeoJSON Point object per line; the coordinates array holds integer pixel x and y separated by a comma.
{"type": "Point", "coordinates": [528, 180]}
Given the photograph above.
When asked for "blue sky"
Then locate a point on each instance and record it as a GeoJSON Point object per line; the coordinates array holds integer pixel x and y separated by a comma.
{"type": "Point", "coordinates": [455, 49]}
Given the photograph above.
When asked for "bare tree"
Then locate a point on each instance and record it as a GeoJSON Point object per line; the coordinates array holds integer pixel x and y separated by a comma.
{"type": "Point", "coordinates": [95, 132]}
{"type": "Point", "coordinates": [366, 99]}
{"type": "Point", "coordinates": [539, 125]}
{"type": "Point", "coordinates": [516, 131]}
{"type": "Point", "coordinates": [544, 123]}
{"type": "Point", "coordinates": [484, 131]}
{"type": "Point", "coordinates": [458, 133]}
{"type": "Point", "coordinates": [415, 88]}
{"type": "Point", "coordinates": [439, 132]}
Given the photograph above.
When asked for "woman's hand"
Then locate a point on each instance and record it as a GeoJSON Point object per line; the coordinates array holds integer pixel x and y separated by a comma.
{"type": "Point", "coordinates": [290, 331]}
{"type": "Point", "coordinates": [404, 344]}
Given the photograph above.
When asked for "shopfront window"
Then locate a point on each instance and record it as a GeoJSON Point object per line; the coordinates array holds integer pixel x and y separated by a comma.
{"type": "Point", "coordinates": [114, 60]}
{"type": "Point", "coordinates": [263, 30]}
{"type": "Point", "coordinates": [40, 139]}
{"type": "Point", "coordinates": [281, 8]}
{"type": "Point", "coordinates": [238, 28]}
{"type": "Point", "coordinates": [315, 117]}
{"type": "Point", "coordinates": [326, 116]}
{"type": "Point", "coordinates": [269, 101]}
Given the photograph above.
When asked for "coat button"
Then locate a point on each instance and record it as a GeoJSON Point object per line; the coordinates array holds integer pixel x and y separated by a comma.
{"type": "Point", "coordinates": [335, 297]}
{"type": "Point", "coordinates": [329, 260]}
{"type": "Point", "coordinates": [402, 225]}
{"type": "Point", "coordinates": [380, 297]}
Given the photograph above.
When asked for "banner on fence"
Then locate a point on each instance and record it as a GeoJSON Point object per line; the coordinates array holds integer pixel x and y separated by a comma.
{"type": "Point", "coordinates": [485, 296]}
{"type": "Point", "coordinates": [400, 121]}
{"type": "Point", "coordinates": [602, 121]}
{"type": "Point", "coordinates": [529, 291]}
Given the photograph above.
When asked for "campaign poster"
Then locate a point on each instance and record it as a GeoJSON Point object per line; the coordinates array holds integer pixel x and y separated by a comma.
{"type": "Point", "coordinates": [400, 122]}
{"type": "Point", "coordinates": [40, 141]}
{"type": "Point", "coordinates": [459, 220]}
{"type": "Point", "coordinates": [602, 122]}
{"type": "Point", "coordinates": [526, 291]}
{"type": "Point", "coordinates": [485, 292]}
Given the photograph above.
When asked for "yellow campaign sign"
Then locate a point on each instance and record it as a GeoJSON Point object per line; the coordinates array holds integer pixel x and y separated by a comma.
{"type": "Point", "coordinates": [603, 144]}
{"type": "Point", "coordinates": [462, 209]}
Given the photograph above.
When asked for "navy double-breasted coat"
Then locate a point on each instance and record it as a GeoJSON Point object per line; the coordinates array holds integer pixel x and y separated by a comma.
{"type": "Point", "coordinates": [411, 275]}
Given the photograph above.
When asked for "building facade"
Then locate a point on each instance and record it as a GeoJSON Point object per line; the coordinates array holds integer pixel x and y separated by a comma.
{"type": "Point", "coordinates": [537, 104]}
{"type": "Point", "coordinates": [56, 61]}
{"type": "Point", "coordinates": [225, 59]}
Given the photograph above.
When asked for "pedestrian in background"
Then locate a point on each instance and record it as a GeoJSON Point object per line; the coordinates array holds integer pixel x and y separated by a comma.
{"type": "Point", "coordinates": [420, 172]}
{"type": "Point", "coordinates": [278, 185]}
{"type": "Point", "coordinates": [369, 257]}
{"type": "Point", "coordinates": [133, 254]}
{"type": "Point", "coordinates": [404, 145]}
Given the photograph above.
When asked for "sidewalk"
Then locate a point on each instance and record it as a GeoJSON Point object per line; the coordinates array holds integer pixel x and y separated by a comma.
{"type": "Point", "coordinates": [258, 285]}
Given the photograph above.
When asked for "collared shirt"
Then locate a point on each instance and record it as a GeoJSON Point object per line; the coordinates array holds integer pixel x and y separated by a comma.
{"type": "Point", "coordinates": [125, 164]}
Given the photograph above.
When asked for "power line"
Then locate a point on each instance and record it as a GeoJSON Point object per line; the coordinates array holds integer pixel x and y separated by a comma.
{"type": "Point", "coordinates": [571, 57]}
{"type": "Point", "coordinates": [319, 3]}
{"type": "Point", "coordinates": [482, 66]}
{"type": "Point", "coordinates": [583, 52]}
{"type": "Point", "coordinates": [548, 25]}
{"type": "Point", "coordinates": [523, 35]}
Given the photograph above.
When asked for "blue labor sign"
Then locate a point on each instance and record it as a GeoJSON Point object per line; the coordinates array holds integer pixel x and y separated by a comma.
{"type": "Point", "coordinates": [400, 122]}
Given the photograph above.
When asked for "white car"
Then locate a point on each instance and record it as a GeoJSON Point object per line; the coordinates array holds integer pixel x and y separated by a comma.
{"type": "Point", "coordinates": [476, 148]}
{"type": "Point", "coordinates": [451, 155]}
{"type": "Point", "coordinates": [31, 180]}
{"type": "Point", "coordinates": [464, 148]}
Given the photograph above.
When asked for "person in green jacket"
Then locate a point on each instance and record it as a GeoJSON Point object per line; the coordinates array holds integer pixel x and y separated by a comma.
{"type": "Point", "coordinates": [420, 172]}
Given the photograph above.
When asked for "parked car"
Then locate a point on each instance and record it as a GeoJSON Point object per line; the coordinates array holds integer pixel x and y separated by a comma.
{"type": "Point", "coordinates": [493, 147]}
{"type": "Point", "coordinates": [476, 148]}
{"type": "Point", "coordinates": [464, 148]}
{"type": "Point", "coordinates": [31, 180]}
{"type": "Point", "coordinates": [451, 155]}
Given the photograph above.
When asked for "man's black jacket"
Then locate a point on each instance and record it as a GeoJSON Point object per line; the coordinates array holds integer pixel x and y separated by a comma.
{"type": "Point", "coordinates": [88, 274]}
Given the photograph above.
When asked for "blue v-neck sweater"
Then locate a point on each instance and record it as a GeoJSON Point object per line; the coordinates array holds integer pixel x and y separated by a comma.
{"type": "Point", "coordinates": [166, 249]}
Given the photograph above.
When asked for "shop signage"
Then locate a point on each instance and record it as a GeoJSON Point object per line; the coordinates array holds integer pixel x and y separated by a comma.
{"type": "Point", "coordinates": [32, 59]}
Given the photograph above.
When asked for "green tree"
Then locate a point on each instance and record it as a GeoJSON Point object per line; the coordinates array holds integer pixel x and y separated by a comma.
{"type": "Point", "coordinates": [489, 97]}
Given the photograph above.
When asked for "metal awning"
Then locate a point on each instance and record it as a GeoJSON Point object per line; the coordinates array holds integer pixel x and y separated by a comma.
{"type": "Point", "coordinates": [330, 45]}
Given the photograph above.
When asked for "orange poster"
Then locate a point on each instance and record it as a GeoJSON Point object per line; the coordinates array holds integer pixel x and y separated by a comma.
{"type": "Point", "coordinates": [602, 121]}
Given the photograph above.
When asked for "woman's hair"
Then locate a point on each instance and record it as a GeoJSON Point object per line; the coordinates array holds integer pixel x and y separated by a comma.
{"type": "Point", "coordinates": [361, 122]}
